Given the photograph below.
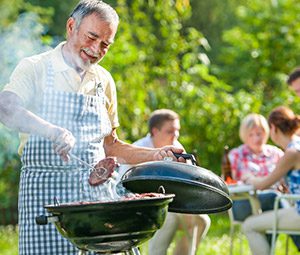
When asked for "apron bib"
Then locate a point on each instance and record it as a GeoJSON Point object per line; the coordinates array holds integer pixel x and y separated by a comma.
{"type": "Point", "coordinates": [44, 176]}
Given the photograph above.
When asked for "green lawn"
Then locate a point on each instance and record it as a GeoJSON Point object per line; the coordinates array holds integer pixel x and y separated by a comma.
{"type": "Point", "coordinates": [8, 240]}
{"type": "Point", "coordinates": [217, 241]}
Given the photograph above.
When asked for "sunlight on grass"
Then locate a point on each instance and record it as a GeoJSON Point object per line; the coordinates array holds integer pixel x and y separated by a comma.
{"type": "Point", "coordinates": [217, 242]}
{"type": "Point", "coordinates": [8, 240]}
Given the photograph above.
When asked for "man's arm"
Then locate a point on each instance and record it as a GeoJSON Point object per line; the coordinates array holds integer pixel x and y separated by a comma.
{"type": "Point", "coordinates": [15, 116]}
{"type": "Point", "coordinates": [131, 154]}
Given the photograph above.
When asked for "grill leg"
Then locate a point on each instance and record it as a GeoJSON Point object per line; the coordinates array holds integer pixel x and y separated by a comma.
{"type": "Point", "coordinates": [133, 251]}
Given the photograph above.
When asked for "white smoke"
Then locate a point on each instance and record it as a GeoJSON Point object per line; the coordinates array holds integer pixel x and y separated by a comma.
{"type": "Point", "coordinates": [18, 40]}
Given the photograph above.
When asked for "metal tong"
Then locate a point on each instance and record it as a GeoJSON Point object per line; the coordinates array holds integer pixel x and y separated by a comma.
{"type": "Point", "coordinates": [72, 156]}
{"type": "Point", "coordinates": [97, 176]}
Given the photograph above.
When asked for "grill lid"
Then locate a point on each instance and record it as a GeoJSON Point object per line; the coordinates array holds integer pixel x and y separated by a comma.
{"type": "Point", "coordinates": [197, 190]}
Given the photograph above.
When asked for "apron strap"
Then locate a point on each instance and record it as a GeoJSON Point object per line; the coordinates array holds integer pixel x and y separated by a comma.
{"type": "Point", "coordinates": [50, 75]}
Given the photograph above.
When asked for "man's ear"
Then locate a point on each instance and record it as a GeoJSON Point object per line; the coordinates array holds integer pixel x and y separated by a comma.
{"type": "Point", "coordinates": [70, 26]}
{"type": "Point", "coordinates": [154, 131]}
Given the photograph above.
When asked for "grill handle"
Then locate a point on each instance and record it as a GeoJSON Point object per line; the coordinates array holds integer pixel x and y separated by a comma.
{"type": "Point", "coordinates": [186, 156]}
{"type": "Point", "coordinates": [44, 220]}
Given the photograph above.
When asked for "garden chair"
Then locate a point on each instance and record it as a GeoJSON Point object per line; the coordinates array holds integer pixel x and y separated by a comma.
{"type": "Point", "coordinates": [234, 225]}
{"type": "Point", "coordinates": [275, 231]}
{"type": "Point", "coordinates": [241, 193]}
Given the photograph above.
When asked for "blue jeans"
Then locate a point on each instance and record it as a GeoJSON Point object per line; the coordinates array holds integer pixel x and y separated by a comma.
{"type": "Point", "coordinates": [241, 209]}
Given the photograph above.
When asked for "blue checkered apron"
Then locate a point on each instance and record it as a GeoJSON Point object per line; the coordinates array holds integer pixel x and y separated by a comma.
{"type": "Point", "coordinates": [44, 176]}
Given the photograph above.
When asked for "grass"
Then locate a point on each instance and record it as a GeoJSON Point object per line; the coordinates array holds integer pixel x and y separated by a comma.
{"type": "Point", "coordinates": [8, 240]}
{"type": "Point", "coordinates": [217, 241]}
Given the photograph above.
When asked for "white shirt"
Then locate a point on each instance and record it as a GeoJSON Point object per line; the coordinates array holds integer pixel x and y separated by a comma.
{"type": "Point", "coordinates": [147, 142]}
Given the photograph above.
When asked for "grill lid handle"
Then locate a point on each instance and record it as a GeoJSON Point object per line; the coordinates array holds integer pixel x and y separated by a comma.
{"type": "Point", "coordinates": [186, 156]}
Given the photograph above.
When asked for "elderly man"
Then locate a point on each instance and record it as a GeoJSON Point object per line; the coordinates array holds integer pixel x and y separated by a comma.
{"type": "Point", "coordinates": [62, 100]}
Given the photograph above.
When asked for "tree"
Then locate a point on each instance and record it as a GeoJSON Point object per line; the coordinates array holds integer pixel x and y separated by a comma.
{"type": "Point", "coordinates": [212, 18]}
{"type": "Point", "coordinates": [158, 62]}
{"type": "Point", "coordinates": [60, 13]}
{"type": "Point", "coordinates": [263, 48]}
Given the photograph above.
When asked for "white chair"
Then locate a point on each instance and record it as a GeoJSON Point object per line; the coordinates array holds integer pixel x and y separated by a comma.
{"type": "Point", "coordinates": [247, 194]}
{"type": "Point", "coordinates": [275, 230]}
{"type": "Point", "coordinates": [234, 224]}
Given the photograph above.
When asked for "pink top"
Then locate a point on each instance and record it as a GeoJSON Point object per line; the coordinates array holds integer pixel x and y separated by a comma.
{"type": "Point", "coordinates": [243, 160]}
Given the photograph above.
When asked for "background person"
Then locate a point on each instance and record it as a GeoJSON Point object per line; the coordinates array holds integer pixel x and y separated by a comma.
{"type": "Point", "coordinates": [164, 127]}
{"type": "Point", "coordinates": [254, 156]}
{"type": "Point", "coordinates": [294, 80]}
{"type": "Point", "coordinates": [62, 100]}
{"type": "Point", "coordinates": [283, 124]}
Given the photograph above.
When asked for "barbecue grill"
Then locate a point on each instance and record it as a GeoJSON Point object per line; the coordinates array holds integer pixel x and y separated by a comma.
{"type": "Point", "coordinates": [120, 226]}
{"type": "Point", "coordinates": [109, 227]}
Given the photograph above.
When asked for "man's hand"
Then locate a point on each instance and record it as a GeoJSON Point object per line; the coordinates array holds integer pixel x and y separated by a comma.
{"type": "Point", "coordinates": [63, 141]}
{"type": "Point", "coordinates": [167, 152]}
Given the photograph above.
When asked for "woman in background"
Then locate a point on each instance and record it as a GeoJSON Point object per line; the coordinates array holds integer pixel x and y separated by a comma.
{"type": "Point", "coordinates": [283, 124]}
{"type": "Point", "coordinates": [254, 156]}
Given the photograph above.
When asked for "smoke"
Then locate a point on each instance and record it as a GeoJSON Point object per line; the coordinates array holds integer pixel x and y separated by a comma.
{"type": "Point", "coordinates": [18, 40]}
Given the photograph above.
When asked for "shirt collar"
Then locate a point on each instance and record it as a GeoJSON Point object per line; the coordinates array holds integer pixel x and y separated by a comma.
{"type": "Point", "coordinates": [265, 151]}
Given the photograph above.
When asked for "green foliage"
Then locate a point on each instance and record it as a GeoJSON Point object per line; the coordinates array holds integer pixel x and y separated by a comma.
{"type": "Point", "coordinates": [263, 47]}
{"type": "Point", "coordinates": [158, 62]}
{"type": "Point", "coordinates": [11, 9]}
{"type": "Point", "coordinates": [9, 170]}
{"type": "Point", "coordinates": [60, 11]}
{"type": "Point", "coordinates": [8, 240]}
{"type": "Point", "coordinates": [212, 18]}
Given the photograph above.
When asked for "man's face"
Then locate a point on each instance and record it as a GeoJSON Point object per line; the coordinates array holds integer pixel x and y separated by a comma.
{"type": "Point", "coordinates": [168, 133]}
{"type": "Point", "coordinates": [295, 86]}
{"type": "Point", "coordinates": [89, 43]}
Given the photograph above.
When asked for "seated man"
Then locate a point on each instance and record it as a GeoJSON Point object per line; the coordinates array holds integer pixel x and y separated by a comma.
{"type": "Point", "coordinates": [164, 126]}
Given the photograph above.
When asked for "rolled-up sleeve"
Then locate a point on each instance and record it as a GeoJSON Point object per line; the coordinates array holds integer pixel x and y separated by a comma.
{"type": "Point", "coordinates": [22, 82]}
